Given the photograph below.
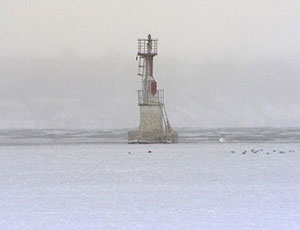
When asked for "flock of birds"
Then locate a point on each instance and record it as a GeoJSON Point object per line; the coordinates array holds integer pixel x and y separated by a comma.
{"type": "Point", "coordinates": [149, 151]}
{"type": "Point", "coordinates": [252, 151]}
{"type": "Point", "coordinates": [261, 150]}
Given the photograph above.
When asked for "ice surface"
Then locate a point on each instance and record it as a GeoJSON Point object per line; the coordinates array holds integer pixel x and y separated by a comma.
{"type": "Point", "coordinates": [176, 186]}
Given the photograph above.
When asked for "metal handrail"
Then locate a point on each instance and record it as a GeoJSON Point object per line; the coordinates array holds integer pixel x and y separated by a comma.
{"type": "Point", "coordinates": [146, 98]}
{"type": "Point", "coordinates": [143, 45]}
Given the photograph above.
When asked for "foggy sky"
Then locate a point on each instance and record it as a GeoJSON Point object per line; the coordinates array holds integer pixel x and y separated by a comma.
{"type": "Point", "coordinates": [71, 63]}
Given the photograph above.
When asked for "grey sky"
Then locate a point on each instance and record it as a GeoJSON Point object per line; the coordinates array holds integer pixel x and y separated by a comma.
{"type": "Point", "coordinates": [70, 64]}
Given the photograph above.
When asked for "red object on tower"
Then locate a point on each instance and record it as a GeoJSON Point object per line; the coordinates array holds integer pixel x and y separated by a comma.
{"type": "Point", "coordinates": [153, 87]}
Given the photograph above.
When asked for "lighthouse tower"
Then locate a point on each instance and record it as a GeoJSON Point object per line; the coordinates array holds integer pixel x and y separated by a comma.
{"type": "Point", "coordinates": [154, 124]}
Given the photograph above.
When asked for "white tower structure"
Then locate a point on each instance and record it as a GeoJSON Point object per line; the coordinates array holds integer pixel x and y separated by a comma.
{"type": "Point", "coordinates": [154, 125]}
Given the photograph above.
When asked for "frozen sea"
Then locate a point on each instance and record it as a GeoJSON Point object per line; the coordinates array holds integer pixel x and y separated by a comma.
{"type": "Point", "coordinates": [93, 179]}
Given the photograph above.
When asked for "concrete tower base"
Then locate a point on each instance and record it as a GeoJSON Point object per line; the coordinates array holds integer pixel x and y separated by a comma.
{"type": "Point", "coordinates": [137, 137]}
{"type": "Point", "coordinates": [154, 126]}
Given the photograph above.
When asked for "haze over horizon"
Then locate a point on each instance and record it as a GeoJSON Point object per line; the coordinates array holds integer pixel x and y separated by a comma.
{"type": "Point", "coordinates": [71, 64]}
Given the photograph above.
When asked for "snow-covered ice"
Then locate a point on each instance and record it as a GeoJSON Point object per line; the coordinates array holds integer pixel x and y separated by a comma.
{"type": "Point", "coordinates": [176, 186]}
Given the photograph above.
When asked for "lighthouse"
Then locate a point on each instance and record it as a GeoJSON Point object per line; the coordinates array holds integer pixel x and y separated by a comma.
{"type": "Point", "coordinates": [154, 124]}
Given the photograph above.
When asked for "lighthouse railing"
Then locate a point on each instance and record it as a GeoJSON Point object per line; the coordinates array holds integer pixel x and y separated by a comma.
{"type": "Point", "coordinates": [146, 98]}
{"type": "Point", "coordinates": [145, 47]}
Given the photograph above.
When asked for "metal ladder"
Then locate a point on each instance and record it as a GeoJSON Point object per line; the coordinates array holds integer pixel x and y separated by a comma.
{"type": "Point", "coordinates": [141, 68]}
{"type": "Point", "coordinates": [165, 118]}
